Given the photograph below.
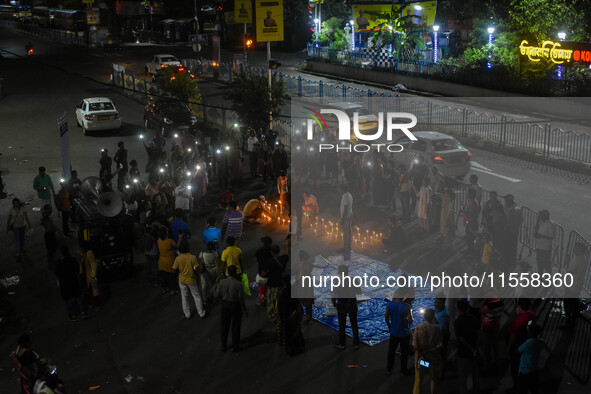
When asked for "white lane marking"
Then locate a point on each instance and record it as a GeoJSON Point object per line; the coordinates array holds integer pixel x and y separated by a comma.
{"type": "Point", "coordinates": [479, 166]}
{"type": "Point", "coordinates": [507, 178]}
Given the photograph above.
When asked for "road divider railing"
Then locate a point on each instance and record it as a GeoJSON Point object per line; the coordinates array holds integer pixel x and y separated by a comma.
{"type": "Point", "coordinates": [223, 117]}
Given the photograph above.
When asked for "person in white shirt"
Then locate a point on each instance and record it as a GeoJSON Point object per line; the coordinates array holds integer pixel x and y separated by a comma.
{"type": "Point", "coordinates": [544, 234]}
{"type": "Point", "coordinates": [346, 215]}
{"type": "Point", "coordinates": [253, 156]}
{"type": "Point", "coordinates": [182, 198]}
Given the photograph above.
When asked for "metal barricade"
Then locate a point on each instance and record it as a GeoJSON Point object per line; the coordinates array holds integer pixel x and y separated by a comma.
{"type": "Point", "coordinates": [573, 238]}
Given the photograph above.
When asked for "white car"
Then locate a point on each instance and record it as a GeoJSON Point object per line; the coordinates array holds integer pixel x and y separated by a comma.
{"type": "Point", "coordinates": [97, 113]}
{"type": "Point", "coordinates": [434, 149]}
{"type": "Point", "coordinates": [161, 61]}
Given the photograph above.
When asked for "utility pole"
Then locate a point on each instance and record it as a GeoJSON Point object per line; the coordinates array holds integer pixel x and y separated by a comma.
{"type": "Point", "coordinates": [244, 50]}
{"type": "Point", "coordinates": [196, 24]}
{"type": "Point", "coordinates": [269, 81]}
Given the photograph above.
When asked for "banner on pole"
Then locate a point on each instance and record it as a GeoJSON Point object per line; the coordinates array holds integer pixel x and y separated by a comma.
{"type": "Point", "coordinates": [62, 125]}
{"type": "Point", "coordinates": [242, 11]}
{"type": "Point", "coordinates": [269, 20]}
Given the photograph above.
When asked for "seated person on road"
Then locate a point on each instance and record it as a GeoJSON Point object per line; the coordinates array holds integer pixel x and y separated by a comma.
{"type": "Point", "coordinates": [396, 237]}
{"type": "Point", "coordinates": [310, 205]}
{"type": "Point", "coordinates": [254, 209]}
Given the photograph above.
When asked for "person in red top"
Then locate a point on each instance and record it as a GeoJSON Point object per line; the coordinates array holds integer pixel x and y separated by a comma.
{"type": "Point", "coordinates": [518, 335]}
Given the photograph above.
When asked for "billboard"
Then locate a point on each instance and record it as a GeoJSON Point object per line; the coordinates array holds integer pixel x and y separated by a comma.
{"type": "Point", "coordinates": [242, 11]}
{"type": "Point", "coordinates": [422, 14]}
{"type": "Point", "coordinates": [269, 20]}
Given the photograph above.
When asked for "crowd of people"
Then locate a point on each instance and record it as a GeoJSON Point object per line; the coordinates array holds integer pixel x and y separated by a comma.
{"type": "Point", "coordinates": [209, 270]}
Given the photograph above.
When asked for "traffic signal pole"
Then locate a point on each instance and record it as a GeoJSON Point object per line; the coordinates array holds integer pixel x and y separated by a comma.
{"type": "Point", "coordinates": [244, 50]}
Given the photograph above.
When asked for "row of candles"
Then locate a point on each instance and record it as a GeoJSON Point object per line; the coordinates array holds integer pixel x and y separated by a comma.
{"type": "Point", "coordinates": [324, 227]}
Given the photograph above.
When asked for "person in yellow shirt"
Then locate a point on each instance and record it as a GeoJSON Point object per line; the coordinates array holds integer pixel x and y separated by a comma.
{"type": "Point", "coordinates": [186, 264]}
{"type": "Point", "coordinates": [88, 270]}
{"type": "Point", "coordinates": [254, 209]}
{"type": "Point", "coordinates": [232, 255]}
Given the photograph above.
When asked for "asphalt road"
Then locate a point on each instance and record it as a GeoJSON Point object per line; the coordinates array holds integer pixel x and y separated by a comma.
{"type": "Point", "coordinates": [139, 343]}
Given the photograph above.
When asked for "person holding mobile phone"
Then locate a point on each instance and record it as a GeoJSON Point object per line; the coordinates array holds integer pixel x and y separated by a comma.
{"type": "Point", "coordinates": [120, 157]}
{"type": "Point", "coordinates": [427, 341]}
{"type": "Point", "coordinates": [44, 187]}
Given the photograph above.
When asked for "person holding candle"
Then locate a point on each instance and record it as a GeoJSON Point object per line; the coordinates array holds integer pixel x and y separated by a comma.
{"type": "Point", "coordinates": [282, 189]}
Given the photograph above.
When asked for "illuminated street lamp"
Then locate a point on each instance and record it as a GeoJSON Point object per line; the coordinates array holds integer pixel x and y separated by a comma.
{"type": "Point", "coordinates": [561, 37]}
{"type": "Point", "coordinates": [435, 42]}
{"type": "Point", "coordinates": [316, 24]}
{"type": "Point", "coordinates": [490, 30]}
{"type": "Point", "coordinates": [352, 23]}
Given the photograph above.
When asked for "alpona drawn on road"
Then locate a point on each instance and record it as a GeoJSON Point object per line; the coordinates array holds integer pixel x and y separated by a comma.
{"type": "Point", "coordinates": [479, 167]}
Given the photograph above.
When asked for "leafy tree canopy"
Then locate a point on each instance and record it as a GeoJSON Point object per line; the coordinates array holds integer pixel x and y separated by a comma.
{"type": "Point", "coordinates": [179, 85]}
{"type": "Point", "coordinates": [249, 94]}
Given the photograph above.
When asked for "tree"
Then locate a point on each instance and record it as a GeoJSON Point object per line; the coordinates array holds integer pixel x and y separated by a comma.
{"type": "Point", "coordinates": [249, 94]}
{"type": "Point", "coordinates": [179, 85]}
{"type": "Point", "coordinates": [398, 32]}
{"type": "Point", "coordinates": [333, 35]}
{"type": "Point", "coordinates": [543, 19]}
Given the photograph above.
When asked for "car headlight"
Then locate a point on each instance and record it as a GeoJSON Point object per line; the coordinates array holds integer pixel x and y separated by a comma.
{"type": "Point", "coordinates": [193, 119]}
{"type": "Point", "coordinates": [167, 121]}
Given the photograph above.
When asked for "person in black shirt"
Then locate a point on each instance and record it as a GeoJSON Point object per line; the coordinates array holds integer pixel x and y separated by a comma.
{"type": "Point", "coordinates": [265, 161]}
{"type": "Point", "coordinates": [467, 330]}
{"type": "Point", "coordinates": [280, 160]}
{"type": "Point", "coordinates": [120, 157]}
{"type": "Point", "coordinates": [345, 300]}
{"type": "Point", "coordinates": [105, 162]}
{"type": "Point", "coordinates": [274, 267]}
{"type": "Point", "coordinates": [67, 270]}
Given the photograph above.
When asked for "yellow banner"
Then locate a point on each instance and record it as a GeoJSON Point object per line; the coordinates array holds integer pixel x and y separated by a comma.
{"type": "Point", "coordinates": [269, 20]}
{"type": "Point", "coordinates": [242, 11]}
{"type": "Point", "coordinates": [422, 14]}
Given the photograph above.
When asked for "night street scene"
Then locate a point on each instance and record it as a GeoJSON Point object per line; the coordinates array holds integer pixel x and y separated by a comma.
{"type": "Point", "coordinates": [295, 196]}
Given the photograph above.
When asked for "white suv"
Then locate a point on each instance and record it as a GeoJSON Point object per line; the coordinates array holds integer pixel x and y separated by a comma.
{"type": "Point", "coordinates": [161, 61]}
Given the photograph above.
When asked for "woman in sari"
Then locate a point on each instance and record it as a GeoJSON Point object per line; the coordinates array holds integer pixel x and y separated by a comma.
{"type": "Point", "coordinates": [447, 225]}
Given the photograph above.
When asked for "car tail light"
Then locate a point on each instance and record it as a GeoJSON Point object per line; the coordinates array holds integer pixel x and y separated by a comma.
{"type": "Point", "coordinates": [162, 66]}
{"type": "Point", "coordinates": [181, 69]}
{"type": "Point", "coordinates": [172, 78]}
{"type": "Point", "coordinates": [437, 159]}
{"type": "Point", "coordinates": [88, 116]}
{"type": "Point", "coordinates": [192, 75]}
{"type": "Point", "coordinates": [116, 115]}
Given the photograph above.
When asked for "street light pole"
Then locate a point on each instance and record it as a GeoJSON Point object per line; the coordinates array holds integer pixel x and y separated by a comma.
{"type": "Point", "coordinates": [435, 43]}
{"type": "Point", "coordinates": [352, 23]}
{"type": "Point", "coordinates": [490, 30]}
{"type": "Point", "coordinates": [561, 37]}
{"type": "Point", "coordinates": [316, 24]}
